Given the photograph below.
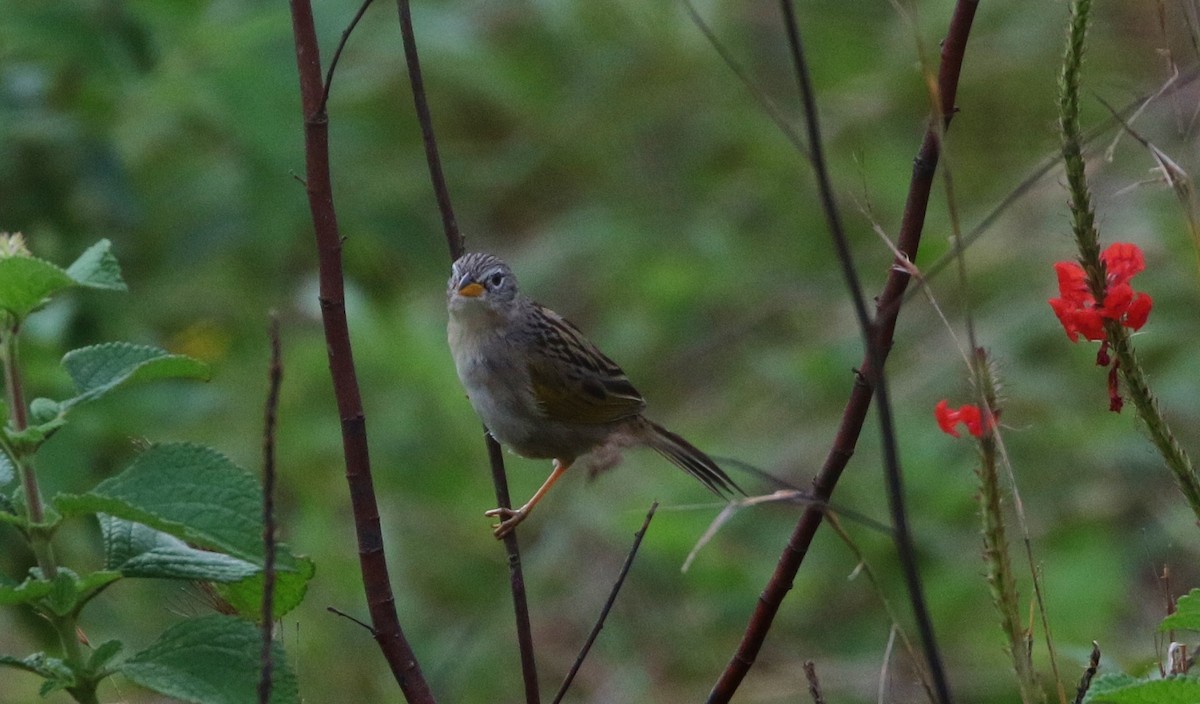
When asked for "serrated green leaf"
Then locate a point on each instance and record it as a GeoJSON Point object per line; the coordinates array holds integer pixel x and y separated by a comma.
{"type": "Point", "coordinates": [41, 664]}
{"type": "Point", "coordinates": [62, 595]}
{"type": "Point", "coordinates": [26, 592]}
{"type": "Point", "coordinates": [103, 655]}
{"type": "Point", "coordinates": [210, 660]}
{"type": "Point", "coordinates": [137, 550]}
{"type": "Point", "coordinates": [98, 369]}
{"type": "Point", "coordinates": [189, 491]}
{"type": "Point", "coordinates": [290, 586]}
{"type": "Point", "coordinates": [1123, 689]}
{"type": "Point", "coordinates": [1187, 613]}
{"type": "Point", "coordinates": [98, 268]}
{"type": "Point", "coordinates": [68, 589]}
{"type": "Point", "coordinates": [27, 282]}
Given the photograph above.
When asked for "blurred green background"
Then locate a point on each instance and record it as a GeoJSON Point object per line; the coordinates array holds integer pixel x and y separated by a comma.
{"type": "Point", "coordinates": [636, 187]}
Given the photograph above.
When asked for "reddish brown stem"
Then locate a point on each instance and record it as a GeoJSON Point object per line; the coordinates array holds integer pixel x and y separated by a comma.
{"type": "Point", "coordinates": [855, 411]}
{"type": "Point", "coordinates": [380, 601]}
{"type": "Point", "coordinates": [454, 240]}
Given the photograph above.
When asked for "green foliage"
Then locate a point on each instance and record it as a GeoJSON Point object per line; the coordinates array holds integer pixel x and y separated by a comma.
{"type": "Point", "coordinates": [189, 491]}
{"type": "Point", "coordinates": [26, 283]}
{"type": "Point", "coordinates": [99, 369]}
{"type": "Point", "coordinates": [1123, 689]}
{"type": "Point", "coordinates": [137, 550]}
{"type": "Point", "coordinates": [179, 511]}
{"type": "Point", "coordinates": [245, 596]}
{"type": "Point", "coordinates": [1187, 613]}
{"type": "Point", "coordinates": [209, 660]}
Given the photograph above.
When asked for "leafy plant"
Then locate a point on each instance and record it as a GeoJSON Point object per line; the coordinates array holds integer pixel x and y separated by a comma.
{"type": "Point", "coordinates": [178, 511]}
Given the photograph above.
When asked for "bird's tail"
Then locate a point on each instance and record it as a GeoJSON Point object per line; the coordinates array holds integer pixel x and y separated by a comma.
{"type": "Point", "coordinates": [691, 460]}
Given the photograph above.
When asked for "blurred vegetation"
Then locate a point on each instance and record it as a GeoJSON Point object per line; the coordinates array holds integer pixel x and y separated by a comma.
{"type": "Point", "coordinates": [636, 187]}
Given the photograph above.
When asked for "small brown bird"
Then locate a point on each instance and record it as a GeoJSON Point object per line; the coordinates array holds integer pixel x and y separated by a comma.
{"type": "Point", "coordinates": [543, 389]}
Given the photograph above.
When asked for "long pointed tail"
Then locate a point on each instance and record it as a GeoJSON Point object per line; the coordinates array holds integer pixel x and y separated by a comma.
{"type": "Point", "coordinates": [691, 460]}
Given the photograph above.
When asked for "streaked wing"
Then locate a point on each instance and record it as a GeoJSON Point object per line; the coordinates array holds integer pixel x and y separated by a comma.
{"type": "Point", "coordinates": [572, 380]}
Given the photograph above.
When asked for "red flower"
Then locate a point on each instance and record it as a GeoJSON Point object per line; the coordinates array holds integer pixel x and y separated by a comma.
{"type": "Point", "coordinates": [1080, 316]}
{"type": "Point", "coordinates": [1076, 306]}
{"type": "Point", "coordinates": [967, 414]}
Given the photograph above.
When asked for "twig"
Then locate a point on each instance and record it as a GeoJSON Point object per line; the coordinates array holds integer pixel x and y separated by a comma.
{"type": "Point", "coordinates": [516, 577]}
{"type": "Point", "coordinates": [887, 660]}
{"type": "Point", "coordinates": [854, 414]}
{"type": "Point", "coordinates": [759, 94]}
{"type": "Point", "coordinates": [814, 685]}
{"type": "Point", "coordinates": [922, 674]}
{"type": "Point", "coordinates": [274, 379]}
{"type": "Point", "coordinates": [454, 240]}
{"type": "Point", "coordinates": [892, 471]}
{"type": "Point", "coordinates": [338, 612]}
{"type": "Point", "coordinates": [372, 559]}
{"type": "Point", "coordinates": [608, 604]}
{"type": "Point", "coordinates": [421, 103]}
{"type": "Point", "coordinates": [1085, 682]}
{"type": "Point", "coordinates": [337, 53]}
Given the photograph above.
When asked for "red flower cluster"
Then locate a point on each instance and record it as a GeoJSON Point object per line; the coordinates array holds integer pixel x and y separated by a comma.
{"type": "Point", "coordinates": [1076, 306]}
{"type": "Point", "coordinates": [967, 414]}
{"type": "Point", "coordinates": [1080, 316]}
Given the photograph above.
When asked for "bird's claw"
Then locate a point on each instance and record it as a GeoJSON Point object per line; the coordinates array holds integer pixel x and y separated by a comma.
{"type": "Point", "coordinates": [509, 519]}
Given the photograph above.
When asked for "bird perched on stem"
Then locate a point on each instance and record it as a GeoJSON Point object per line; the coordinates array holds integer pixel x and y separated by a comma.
{"type": "Point", "coordinates": [543, 389]}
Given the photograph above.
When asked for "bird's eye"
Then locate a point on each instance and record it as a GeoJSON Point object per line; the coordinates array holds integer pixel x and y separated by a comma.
{"type": "Point", "coordinates": [496, 279]}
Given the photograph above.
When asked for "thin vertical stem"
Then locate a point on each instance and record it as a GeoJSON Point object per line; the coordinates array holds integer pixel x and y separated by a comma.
{"type": "Point", "coordinates": [454, 241]}
{"type": "Point", "coordinates": [14, 397]}
{"type": "Point", "coordinates": [859, 401]}
{"type": "Point", "coordinates": [369, 534]}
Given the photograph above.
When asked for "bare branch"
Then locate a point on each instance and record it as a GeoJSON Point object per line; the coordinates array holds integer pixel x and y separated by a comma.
{"type": "Point", "coordinates": [608, 604]}
{"type": "Point", "coordinates": [854, 414]}
{"type": "Point", "coordinates": [372, 560]}
{"type": "Point", "coordinates": [274, 380]}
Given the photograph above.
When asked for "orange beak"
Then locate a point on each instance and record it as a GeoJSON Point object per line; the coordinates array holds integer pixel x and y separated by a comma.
{"type": "Point", "coordinates": [471, 290]}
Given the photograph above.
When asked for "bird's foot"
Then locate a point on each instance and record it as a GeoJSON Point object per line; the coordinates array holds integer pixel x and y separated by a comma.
{"type": "Point", "coordinates": [509, 519]}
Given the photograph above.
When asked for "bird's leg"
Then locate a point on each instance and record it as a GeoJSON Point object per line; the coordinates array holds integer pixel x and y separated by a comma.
{"type": "Point", "coordinates": [509, 518]}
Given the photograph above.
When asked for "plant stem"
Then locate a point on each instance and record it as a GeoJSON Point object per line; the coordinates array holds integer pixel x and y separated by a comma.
{"type": "Point", "coordinates": [1082, 213]}
{"type": "Point", "coordinates": [39, 539]}
{"type": "Point", "coordinates": [1147, 409]}
{"type": "Point", "coordinates": [1087, 240]}
{"type": "Point", "coordinates": [13, 396]}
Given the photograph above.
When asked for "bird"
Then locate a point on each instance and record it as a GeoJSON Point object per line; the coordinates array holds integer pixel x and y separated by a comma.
{"type": "Point", "coordinates": [543, 390]}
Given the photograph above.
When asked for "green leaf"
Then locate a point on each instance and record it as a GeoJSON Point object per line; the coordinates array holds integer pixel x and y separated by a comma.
{"type": "Point", "coordinates": [26, 592]}
{"type": "Point", "coordinates": [1119, 688]}
{"type": "Point", "coordinates": [68, 590]}
{"type": "Point", "coordinates": [1187, 613]}
{"type": "Point", "coordinates": [137, 550]}
{"type": "Point", "coordinates": [98, 369]}
{"type": "Point", "coordinates": [59, 595]}
{"type": "Point", "coordinates": [189, 491]}
{"type": "Point", "coordinates": [27, 282]}
{"type": "Point", "coordinates": [62, 595]}
{"type": "Point", "coordinates": [41, 664]}
{"type": "Point", "coordinates": [290, 586]}
{"type": "Point", "coordinates": [44, 410]}
{"type": "Point", "coordinates": [103, 655]}
{"type": "Point", "coordinates": [210, 660]}
{"type": "Point", "coordinates": [98, 268]}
